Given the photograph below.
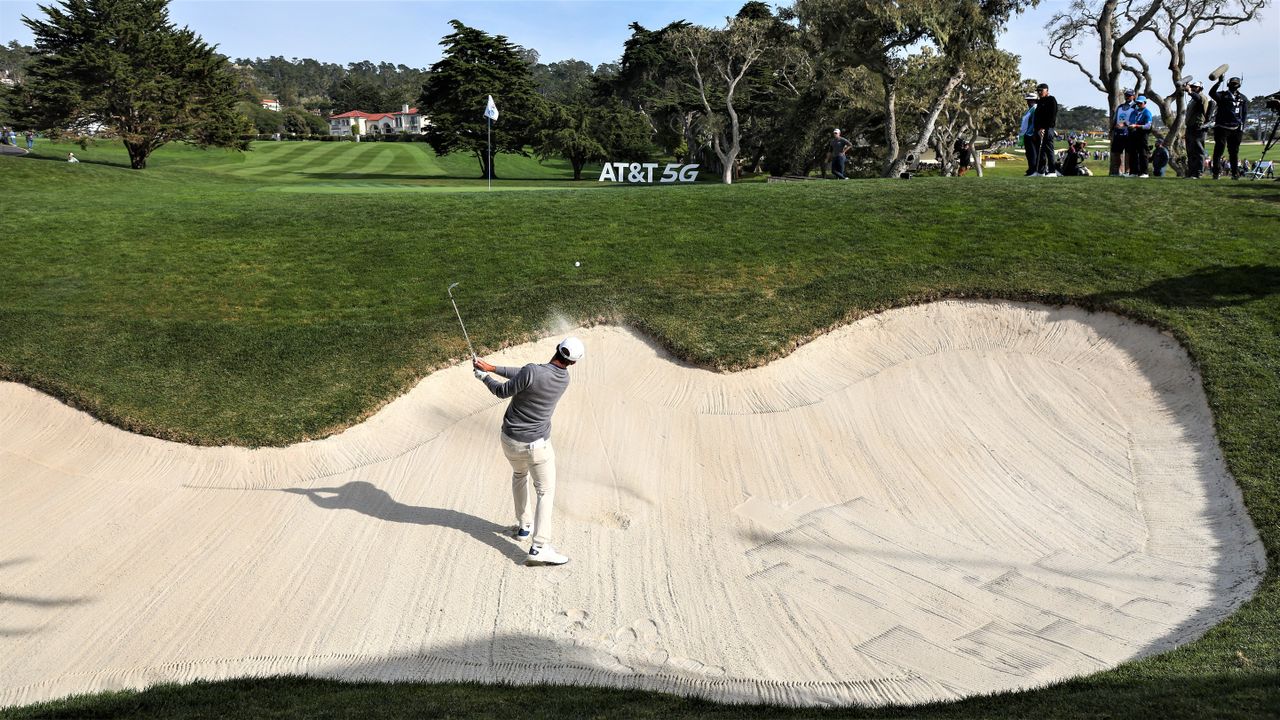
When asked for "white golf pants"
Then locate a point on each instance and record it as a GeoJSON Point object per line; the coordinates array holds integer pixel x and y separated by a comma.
{"type": "Point", "coordinates": [536, 462]}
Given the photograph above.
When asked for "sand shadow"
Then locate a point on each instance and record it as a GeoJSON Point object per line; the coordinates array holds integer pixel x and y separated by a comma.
{"type": "Point", "coordinates": [30, 601]}
{"type": "Point", "coordinates": [368, 499]}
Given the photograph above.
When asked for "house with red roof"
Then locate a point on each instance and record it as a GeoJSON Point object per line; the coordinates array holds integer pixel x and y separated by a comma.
{"type": "Point", "coordinates": [408, 120]}
{"type": "Point", "coordinates": [270, 104]}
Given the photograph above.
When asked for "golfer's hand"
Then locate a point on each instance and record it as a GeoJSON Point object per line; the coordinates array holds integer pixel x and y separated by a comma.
{"type": "Point", "coordinates": [1040, 133]}
{"type": "Point", "coordinates": [483, 366]}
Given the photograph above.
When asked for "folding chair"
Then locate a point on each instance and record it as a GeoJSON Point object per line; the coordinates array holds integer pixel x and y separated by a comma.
{"type": "Point", "coordinates": [1261, 169]}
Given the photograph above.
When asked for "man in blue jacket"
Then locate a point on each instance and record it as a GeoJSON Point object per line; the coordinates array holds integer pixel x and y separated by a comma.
{"type": "Point", "coordinates": [1140, 122]}
{"type": "Point", "coordinates": [1027, 133]}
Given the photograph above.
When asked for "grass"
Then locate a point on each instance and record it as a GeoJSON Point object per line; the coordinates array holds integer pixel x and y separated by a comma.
{"type": "Point", "coordinates": [333, 166]}
{"type": "Point", "coordinates": [193, 302]}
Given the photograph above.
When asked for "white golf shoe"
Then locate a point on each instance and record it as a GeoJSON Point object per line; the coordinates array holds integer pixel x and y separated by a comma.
{"type": "Point", "coordinates": [545, 555]}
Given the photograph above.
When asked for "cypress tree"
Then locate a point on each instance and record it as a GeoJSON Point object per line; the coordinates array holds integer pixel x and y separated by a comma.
{"type": "Point", "coordinates": [476, 65]}
{"type": "Point", "coordinates": [123, 65]}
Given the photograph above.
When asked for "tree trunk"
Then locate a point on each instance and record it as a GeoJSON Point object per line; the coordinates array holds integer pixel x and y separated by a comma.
{"type": "Point", "coordinates": [577, 163]}
{"type": "Point", "coordinates": [897, 165]}
{"type": "Point", "coordinates": [486, 167]}
{"type": "Point", "coordinates": [727, 159]}
{"type": "Point", "coordinates": [138, 154]}
{"type": "Point", "coordinates": [892, 165]}
{"type": "Point", "coordinates": [690, 140]}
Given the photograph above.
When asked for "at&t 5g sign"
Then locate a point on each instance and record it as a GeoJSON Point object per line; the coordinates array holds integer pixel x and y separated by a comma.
{"type": "Point", "coordinates": [645, 172]}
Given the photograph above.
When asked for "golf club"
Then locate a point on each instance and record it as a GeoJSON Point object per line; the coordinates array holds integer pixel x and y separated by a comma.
{"type": "Point", "coordinates": [464, 325]}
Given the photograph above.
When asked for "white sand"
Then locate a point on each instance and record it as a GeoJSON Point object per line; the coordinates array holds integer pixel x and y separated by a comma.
{"type": "Point", "coordinates": [938, 501]}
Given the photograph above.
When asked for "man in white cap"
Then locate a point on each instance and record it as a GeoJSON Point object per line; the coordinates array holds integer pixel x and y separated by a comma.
{"type": "Point", "coordinates": [839, 149]}
{"type": "Point", "coordinates": [1120, 135]}
{"type": "Point", "coordinates": [1028, 135]}
{"type": "Point", "coordinates": [1200, 112]}
{"type": "Point", "coordinates": [526, 440]}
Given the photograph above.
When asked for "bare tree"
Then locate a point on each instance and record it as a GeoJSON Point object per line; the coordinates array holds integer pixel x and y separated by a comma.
{"type": "Point", "coordinates": [1175, 26]}
{"type": "Point", "coordinates": [987, 103]}
{"type": "Point", "coordinates": [718, 61]}
{"type": "Point", "coordinates": [1113, 24]}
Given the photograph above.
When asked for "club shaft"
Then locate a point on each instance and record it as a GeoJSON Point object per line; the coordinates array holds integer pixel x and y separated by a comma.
{"type": "Point", "coordinates": [464, 325]}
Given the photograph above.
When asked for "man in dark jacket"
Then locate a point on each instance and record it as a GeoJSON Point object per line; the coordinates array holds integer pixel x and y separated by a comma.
{"type": "Point", "coordinates": [1228, 126]}
{"type": "Point", "coordinates": [1046, 120]}
{"type": "Point", "coordinates": [1159, 158]}
{"type": "Point", "coordinates": [1200, 111]}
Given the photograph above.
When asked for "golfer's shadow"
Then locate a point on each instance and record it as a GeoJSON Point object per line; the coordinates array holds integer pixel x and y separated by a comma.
{"type": "Point", "coordinates": [367, 499]}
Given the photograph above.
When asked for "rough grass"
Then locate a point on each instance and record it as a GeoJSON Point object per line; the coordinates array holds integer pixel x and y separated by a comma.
{"type": "Point", "coordinates": [187, 302]}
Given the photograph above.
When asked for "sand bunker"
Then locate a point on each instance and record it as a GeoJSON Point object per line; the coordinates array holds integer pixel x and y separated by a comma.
{"type": "Point", "coordinates": [938, 501]}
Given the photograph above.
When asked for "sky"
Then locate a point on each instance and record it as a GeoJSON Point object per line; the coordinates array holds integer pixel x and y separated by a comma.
{"type": "Point", "coordinates": [408, 32]}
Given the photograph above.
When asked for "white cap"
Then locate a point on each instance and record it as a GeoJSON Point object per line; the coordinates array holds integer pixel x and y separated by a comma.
{"type": "Point", "coordinates": [571, 349]}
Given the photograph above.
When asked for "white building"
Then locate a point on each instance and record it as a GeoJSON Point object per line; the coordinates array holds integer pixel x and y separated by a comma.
{"type": "Point", "coordinates": [407, 120]}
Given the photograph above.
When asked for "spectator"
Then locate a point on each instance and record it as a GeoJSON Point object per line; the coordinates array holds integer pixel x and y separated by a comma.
{"type": "Point", "coordinates": [839, 148]}
{"type": "Point", "coordinates": [31, 139]}
{"type": "Point", "coordinates": [1027, 133]}
{"type": "Point", "coordinates": [1159, 158]}
{"type": "Point", "coordinates": [71, 158]}
{"type": "Point", "coordinates": [1044, 122]}
{"type": "Point", "coordinates": [1140, 121]}
{"type": "Point", "coordinates": [1120, 134]}
{"type": "Point", "coordinates": [963, 149]}
{"type": "Point", "coordinates": [1200, 112]}
{"type": "Point", "coordinates": [1228, 126]}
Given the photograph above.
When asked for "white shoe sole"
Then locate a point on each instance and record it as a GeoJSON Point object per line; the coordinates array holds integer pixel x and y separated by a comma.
{"type": "Point", "coordinates": [530, 562]}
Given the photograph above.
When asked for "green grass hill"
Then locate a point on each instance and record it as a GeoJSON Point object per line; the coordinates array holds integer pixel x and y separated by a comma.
{"type": "Point", "coordinates": [285, 293]}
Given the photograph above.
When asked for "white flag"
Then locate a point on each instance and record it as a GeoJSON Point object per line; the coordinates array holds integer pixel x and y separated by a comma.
{"type": "Point", "coordinates": [491, 110]}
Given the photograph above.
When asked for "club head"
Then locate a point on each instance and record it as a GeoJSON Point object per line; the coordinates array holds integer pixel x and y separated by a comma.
{"type": "Point", "coordinates": [453, 286]}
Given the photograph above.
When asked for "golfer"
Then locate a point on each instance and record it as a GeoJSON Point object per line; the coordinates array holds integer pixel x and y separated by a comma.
{"type": "Point", "coordinates": [526, 440]}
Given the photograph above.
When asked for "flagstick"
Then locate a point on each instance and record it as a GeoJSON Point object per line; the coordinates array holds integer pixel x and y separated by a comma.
{"type": "Point", "coordinates": [489, 167]}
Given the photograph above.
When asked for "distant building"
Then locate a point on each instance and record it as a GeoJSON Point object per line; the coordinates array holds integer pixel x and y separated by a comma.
{"type": "Point", "coordinates": [6, 78]}
{"type": "Point", "coordinates": [271, 104]}
{"type": "Point", "coordinates": [407, 120]}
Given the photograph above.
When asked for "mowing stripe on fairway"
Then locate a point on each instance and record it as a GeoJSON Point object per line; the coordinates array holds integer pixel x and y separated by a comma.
{"type": "Point", "coordinates": [286, 163]}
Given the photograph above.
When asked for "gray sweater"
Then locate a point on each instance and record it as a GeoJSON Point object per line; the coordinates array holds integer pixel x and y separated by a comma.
{"type": "Point", "coordinates": [534, 391]}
